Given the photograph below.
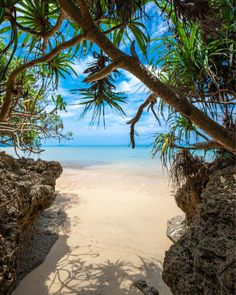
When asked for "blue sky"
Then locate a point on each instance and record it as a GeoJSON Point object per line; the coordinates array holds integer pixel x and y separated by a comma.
{"type": "Point", "coordinates": [116, 131]}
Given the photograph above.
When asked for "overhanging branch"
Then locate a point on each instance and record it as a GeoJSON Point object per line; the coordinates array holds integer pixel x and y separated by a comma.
{"type": "Point", "coordinates": [205, 146]}
{"type": "Point", "coordinates": [149, 101]}
{"type": "Point", "coordinates": [174, 98]}
{"type": "Point", "coordinates": [5, 109]}
{"type": "Point", "coordinates": [104, 72]}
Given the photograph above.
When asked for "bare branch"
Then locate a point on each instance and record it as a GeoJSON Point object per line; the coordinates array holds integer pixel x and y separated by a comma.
{"type": "Point", "coordinates": [55, 28]}
{"type": "Point", "coordinates": [114, 28]}
{"type": "Point", "coordinates": [206, 145]}
{"type": "Point", "coordinates": [71, 10]}
{"type": "Point", "coordinates": [26, 115]}
{"type": "Point", "coordinates": [150, 100]}
{"type": "Point", "coordinates": [5, 203]}
{"type": "Point", "coordinates": [215, 102]}
{"type": "Point", "coordinates": [104, 72]}
{"type": "Point", "coordinates": [47, 34]}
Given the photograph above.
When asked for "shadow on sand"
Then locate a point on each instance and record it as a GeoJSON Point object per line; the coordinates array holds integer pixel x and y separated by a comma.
{"type": "Point", "coordinates": [75, 276]}
{"type": "Point", "coordinates": [69, 271]}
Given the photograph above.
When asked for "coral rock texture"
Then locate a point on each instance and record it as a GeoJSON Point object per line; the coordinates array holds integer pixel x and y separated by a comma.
{"type": "Point", "coordinates": [27, 187]}
{"type": "Point", "coordinates": [203, 260]}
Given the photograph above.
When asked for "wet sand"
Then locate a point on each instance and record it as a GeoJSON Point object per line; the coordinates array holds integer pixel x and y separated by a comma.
{"type": "Point", "coordinates": [114, 234]}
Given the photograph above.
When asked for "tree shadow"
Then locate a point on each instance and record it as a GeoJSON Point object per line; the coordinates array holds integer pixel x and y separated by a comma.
{"type": "Point", "coordinates": [70, 271]}
{"type": "Point", "coordinates": [75, 276]}
{"type": "Point", "coordinates": [45, 248]}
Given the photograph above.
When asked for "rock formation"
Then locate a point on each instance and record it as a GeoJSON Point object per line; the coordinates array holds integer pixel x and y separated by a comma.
{"type": "Point", "coordinates": [176, 227]}
{"type": "Point", "coordinates": [203, 260]}
{"type": "Point", "coordinates": [27, 187]}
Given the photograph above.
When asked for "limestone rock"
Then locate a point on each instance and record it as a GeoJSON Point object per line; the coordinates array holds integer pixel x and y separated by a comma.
{"type": "Point", "coordinates": [176, 227]}
{"type": "Point", "coordinates": [145, 289]}
{"type": "Point", "coordinates": [203, 260]}
{"type": "Point", "coordinates": [27, 187]}
{"type": "Point", "coordinates": [188, 198]}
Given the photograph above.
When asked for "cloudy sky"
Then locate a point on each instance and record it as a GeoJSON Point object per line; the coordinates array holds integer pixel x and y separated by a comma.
{"type": "Point", "coordinates": [117, 130]}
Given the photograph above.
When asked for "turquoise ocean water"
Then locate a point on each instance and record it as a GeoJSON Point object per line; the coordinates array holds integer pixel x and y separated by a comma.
{"type": "Point", "coordinates": [91, 156]}
{"type": "Point", "coordinates": [86, 156]}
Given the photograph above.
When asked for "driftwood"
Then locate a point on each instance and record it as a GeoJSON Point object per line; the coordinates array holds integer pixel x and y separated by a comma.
{"type": "Point", "coordinates": [145, 289]}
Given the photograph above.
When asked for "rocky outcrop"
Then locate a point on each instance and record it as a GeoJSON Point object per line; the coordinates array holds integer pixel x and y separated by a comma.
{"type": "Point", "coordinates": [188, 198]}
{"type": "Point", "coordinates": [176, 227]}
{"type": "Point", "coordinates": [203, 260]}
{"type": "Point", "coordinates": [27, 187]}
{"type": "Point", "coordinates": [145, 289]}
{"type": "Point", "coordinates": [191, 174]}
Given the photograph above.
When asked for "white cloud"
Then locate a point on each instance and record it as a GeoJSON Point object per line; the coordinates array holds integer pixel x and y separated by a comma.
{"type": "Point", "coordinates": [156, 71]}
{"type": "Point", "coordinates": [81, 65]}
{"type": "Point", "coordinates": [63, 91]}
{"type": "Point", "coordinates": [75, 105]}
{"type": "Point", "coordinates": [67, 114]}
{"type": "Point", "coordinates": [131, 84]}
{"type": "Point", "coordinates": [159, 30]}
{"type": "Point", "coordinates": [150, 7]}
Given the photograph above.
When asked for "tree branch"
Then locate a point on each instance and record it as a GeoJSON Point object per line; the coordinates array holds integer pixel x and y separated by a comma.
{"type": "Point", "coordinates": [47, 34]}
{"type": "Point", "coordinates": [174, 98]}
{"type": "Point", "coordinates": [215, 102]}
{"type": "Point", "coordinates": [84, 10]}
{"type": "Point", "coordinates": [104, 72]}
{"type": "Point", "coordinates": [151, 99]}
{"type": "Point", "coordinates": [5, 109]}
{"type": "Point", "coordinates": [208, 145]}
{"type": "Point", "coordinates": [55, 28]}
{"type": "Point", "coordinates": [114, 28]}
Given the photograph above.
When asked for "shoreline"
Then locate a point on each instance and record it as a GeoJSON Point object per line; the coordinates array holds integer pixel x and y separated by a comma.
{"type": "Point", "coordinates": [114, 233]}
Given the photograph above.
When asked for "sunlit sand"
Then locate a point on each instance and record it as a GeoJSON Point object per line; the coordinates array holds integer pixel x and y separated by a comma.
{"type": "Point", "coordinates": [115, 233]}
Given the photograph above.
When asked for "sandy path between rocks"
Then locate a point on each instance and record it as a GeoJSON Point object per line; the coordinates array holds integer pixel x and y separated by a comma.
{"type": "Point", "coordinates": [115, 234]}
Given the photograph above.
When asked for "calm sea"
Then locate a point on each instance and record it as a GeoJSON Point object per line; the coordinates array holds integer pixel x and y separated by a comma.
{"type": "Point", "coordinates": [86, 156]}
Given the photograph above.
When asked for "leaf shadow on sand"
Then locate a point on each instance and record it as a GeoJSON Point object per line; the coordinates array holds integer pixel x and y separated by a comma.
{"type": "Point", "coordinates": [75, 276]}
{"type": "Point", "coordinates": [69, 271]}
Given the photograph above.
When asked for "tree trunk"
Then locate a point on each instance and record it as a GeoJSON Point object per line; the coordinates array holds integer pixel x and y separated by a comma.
{"type": "Point", "coordinates": [177, 100]}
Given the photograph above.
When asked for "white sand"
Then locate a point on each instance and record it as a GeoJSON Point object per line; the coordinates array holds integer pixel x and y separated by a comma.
{"type": "Point", "coordinates": [115, 234]}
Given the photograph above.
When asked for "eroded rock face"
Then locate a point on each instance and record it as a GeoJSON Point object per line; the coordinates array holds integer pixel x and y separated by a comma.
{"type": "Point", "coordinates": [27, 187]}
{"type": "Point", "coordinates": [203, 260]}
{"type": "Point", "coordinates": [188, 198]}
{"type": "Point", "coordinates": [176, 228]}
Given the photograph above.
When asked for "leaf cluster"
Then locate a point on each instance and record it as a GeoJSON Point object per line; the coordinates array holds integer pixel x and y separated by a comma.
{"type": "Point", "coordinates": [100, 94]}
{"type": "Point", "coordinates": [203, 69]}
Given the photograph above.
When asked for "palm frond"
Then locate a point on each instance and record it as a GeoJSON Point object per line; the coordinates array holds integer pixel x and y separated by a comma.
{"type": "Point", "coordinates": [100, 94]}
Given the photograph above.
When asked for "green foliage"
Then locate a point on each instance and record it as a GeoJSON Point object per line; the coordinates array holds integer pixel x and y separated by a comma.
{"type": "Point", "coordinates": [198, 61]}
{"type": "Point", "coordinates": [164, 145]}
{"type": "Point", "coordinates": [201, 66]}
{"type": "Point", "coordinates": [30, 123]}
{"type": "Point", "coordinates": [36, 14]}
{"type": "Point", "coordinates": [124, 10]}
{"type": "Point", "coordinates": [59, 102]}
{"type": "Point", "coordinates": [25, 33]}
{"type": "Point", "coordinates": [58, 67]}
{"type": "Point", "coordinates": [100, 94]}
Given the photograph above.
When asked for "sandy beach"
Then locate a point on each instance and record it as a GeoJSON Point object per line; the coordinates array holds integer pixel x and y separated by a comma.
{"type": "Point", "coordinates": [114, 234]}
